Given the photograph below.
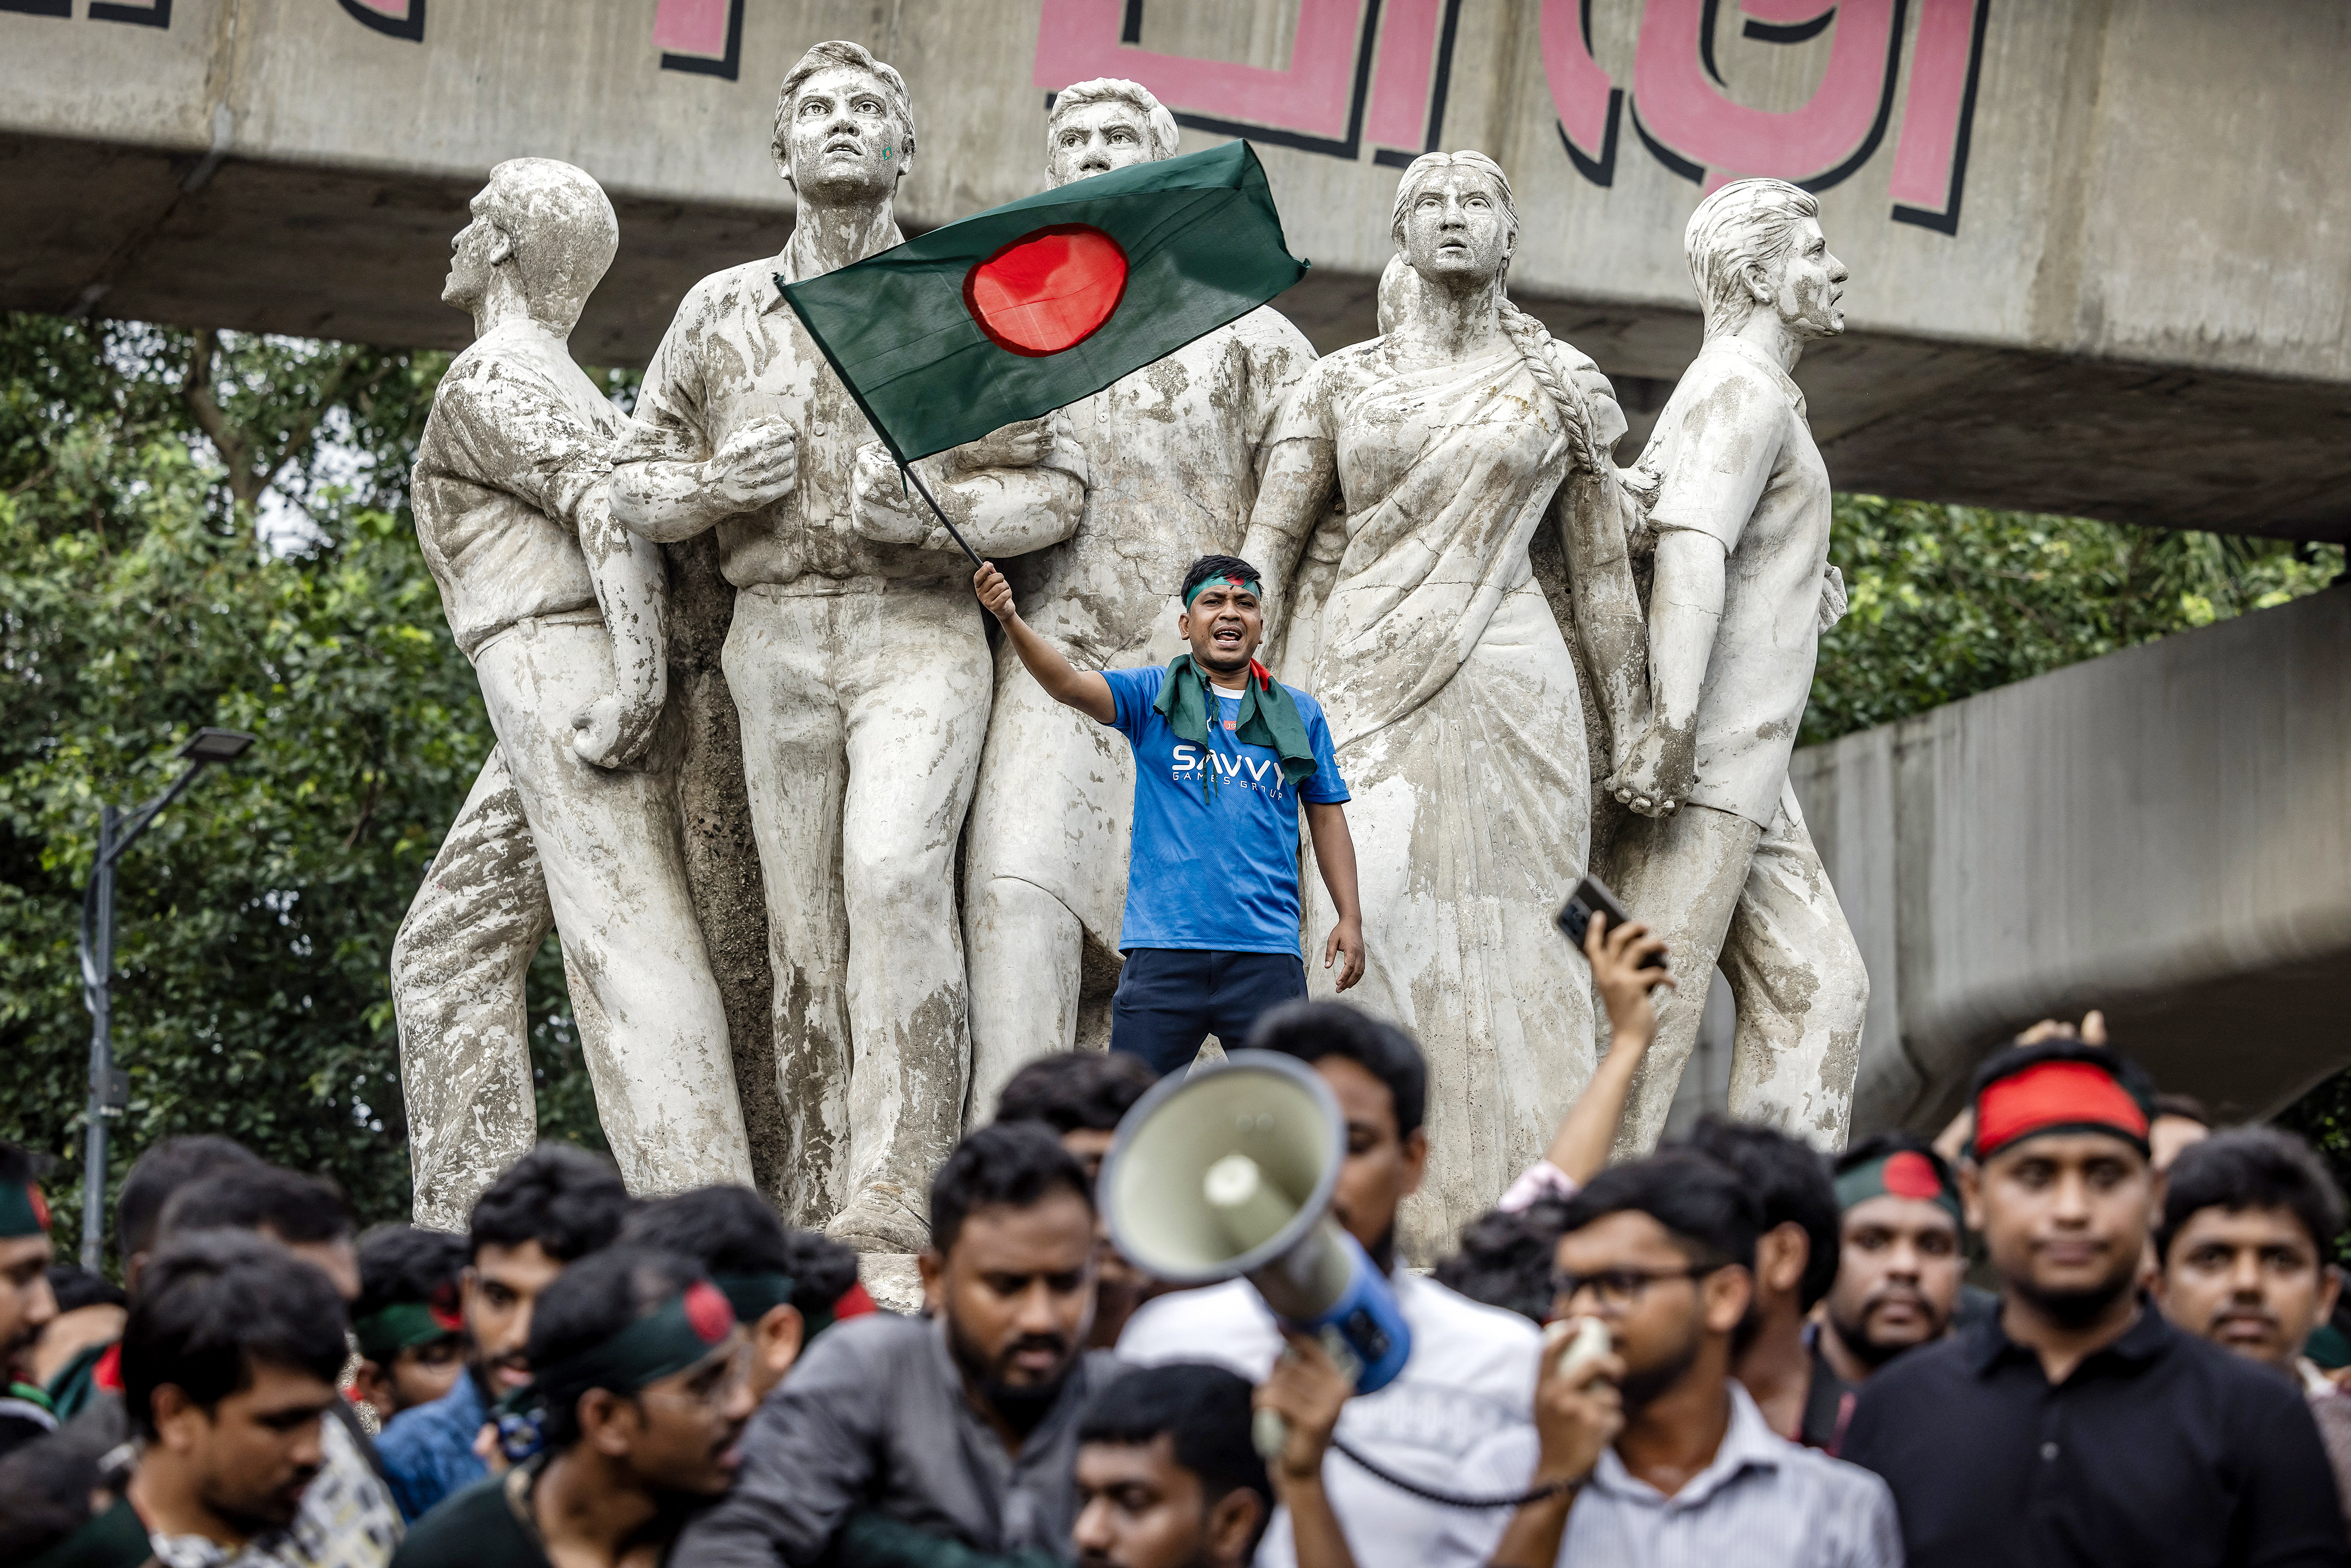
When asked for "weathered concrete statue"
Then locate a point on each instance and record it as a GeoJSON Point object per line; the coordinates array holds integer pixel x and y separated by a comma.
{"type": "Point", "coordinates": [560, 613]}
{"type": "Point", "coordinates": [1706, 841]}
{"type": "Point", "coordinates": [1450, 687]}
{"type": "Point", "coordinates": [1173, 455]}
{"type": "Point", "coordinates": [855, 658]}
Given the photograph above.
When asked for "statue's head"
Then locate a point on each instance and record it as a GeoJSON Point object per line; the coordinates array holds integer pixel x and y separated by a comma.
{"type": "Point", "coordinates": [1454, 222]}
{"type": "Point", "coordinates": [844, 131]}
{"type": "Point", "coordinates": [545, 227]}
{"type": "Point", "coordinates": [1107, 123]}
{"type": "Point", "coordinates": [1756, 245]}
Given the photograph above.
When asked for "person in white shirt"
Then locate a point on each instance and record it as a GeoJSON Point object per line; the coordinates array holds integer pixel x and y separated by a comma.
{"type": "Point", "coordinates": [1472, 1369]}
{"type": "Point", "coordinates": [1662, 1252]}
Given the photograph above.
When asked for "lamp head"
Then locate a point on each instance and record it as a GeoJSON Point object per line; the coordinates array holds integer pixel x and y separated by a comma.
{"type": "Point", "coordinates": [214, 745]}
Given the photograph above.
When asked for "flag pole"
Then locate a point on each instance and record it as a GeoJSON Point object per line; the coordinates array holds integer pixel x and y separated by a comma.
{"type": "Point", "coordinates": [906, 471]}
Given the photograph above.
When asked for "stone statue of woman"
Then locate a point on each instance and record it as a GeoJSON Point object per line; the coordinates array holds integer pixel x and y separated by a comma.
{"type": "Point", "coordinates": [1452, 690]}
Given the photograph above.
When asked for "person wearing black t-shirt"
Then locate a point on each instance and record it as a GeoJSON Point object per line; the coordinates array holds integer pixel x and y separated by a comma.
{"type": "Point", "coordinates": [2076, 1426]}
{"type": "Point", "coordinates": [642, 1386]}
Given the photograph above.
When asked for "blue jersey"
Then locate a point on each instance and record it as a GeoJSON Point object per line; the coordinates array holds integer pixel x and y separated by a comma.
{"type": "Point", "coordinates": [1214, 869]}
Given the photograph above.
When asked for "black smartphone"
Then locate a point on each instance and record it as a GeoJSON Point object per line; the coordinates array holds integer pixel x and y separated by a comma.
{"type": "Point", "coordinates": [1592, 898]}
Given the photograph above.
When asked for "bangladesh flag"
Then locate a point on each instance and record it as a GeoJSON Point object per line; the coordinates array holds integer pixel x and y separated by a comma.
{"type": "Point", "coordinates": [1018, 311]}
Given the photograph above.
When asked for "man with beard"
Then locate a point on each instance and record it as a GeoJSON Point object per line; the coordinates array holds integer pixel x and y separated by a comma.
{"type": "Point", "coordinates": [1472, 1366]}
{"type": "Point", "coordinates": [1662, 1252]}
{"type": "Point", "coordinates": [27, 1306]}
{"type": "Point", "coordinates": [2250, 1218]}
{"type": "Point", "coordinates": [855, 663]}
{"type": "Point", "coordinates": [644, 1383]}
{"type": "Point", "coordinates": [1173, 454]}
{"type": "Point", "coordinates": [2077, 1424]}
{"type": "Point", "coordinates": [229, 1362]}
{"type": "Point", "coordinates": [552, 1206]}
{"type": "Point", "coordinates": [1899, 1257]}
{"type": "Point", "coordinates": [964, 1425]}
{"type": "Point", "coordinates": [1082, 1096]}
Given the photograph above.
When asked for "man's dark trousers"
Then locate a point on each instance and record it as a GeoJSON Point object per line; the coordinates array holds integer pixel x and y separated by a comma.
{"type": "Point", "coordinates": [1170, 998]}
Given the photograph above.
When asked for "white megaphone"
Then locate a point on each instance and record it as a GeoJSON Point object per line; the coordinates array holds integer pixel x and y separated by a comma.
{"type": "Point", "coordinates": [1228, 1172]}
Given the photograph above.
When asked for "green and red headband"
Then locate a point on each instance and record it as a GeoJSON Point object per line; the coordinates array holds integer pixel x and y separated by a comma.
{"type": "Point", "coordinates": [664, 1341]}
{"type": "Point", "coordinates": [406, 1325]}
{"type": "Point", "coordinates": [1246, 584]}
{"type": "Point", "coordinates": [23, 1210]}
{"type": "Point", "coordinates": [1903, 1173]}
{"type": "Point", "coordinates": [2059, 1087]}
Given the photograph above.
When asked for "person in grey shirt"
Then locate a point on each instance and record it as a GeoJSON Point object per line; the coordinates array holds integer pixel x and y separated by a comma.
{"type": "Point", "coordinates": [963, 1425]}
{"type": "Point", "coordinates": [1658, 1456]}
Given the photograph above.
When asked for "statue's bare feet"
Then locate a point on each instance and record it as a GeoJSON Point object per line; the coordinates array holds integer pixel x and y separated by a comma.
{"type": "Point", "coordinates": [882, 1218]}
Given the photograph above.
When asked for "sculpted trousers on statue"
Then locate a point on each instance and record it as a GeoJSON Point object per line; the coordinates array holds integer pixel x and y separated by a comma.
{"type": "Point", "coordinates": [1756, 902]}
{"type": "Point", "coordinates": [863, 707]}
{"type": "Point", "coordinates": [1045, 867]}
{"type": "Point", "coordinates": [457, 970]}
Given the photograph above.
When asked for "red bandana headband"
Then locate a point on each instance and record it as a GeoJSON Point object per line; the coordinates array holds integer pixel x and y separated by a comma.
{"type": "Point", "coordinates": [2055, 1096]}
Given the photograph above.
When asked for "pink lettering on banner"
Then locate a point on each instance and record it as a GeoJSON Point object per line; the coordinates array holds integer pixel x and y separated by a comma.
{"type": "Point", "coordinates": [1930, 158]}
{"type": "Point", "coordinates": [1348, 59]}
{"type": "Point", "coordinates": [1588, 102]}
{"type": "Point", "coordinates": [704, 37]}
{"type": "Point", "coordinates": [1683, 114]}
{"type": "Point", "coordinates": [393, 18]}
{"type": "Point", "coordinates": [1704, 135]}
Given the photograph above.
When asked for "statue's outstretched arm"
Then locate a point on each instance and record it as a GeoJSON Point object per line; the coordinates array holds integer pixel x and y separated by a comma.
{"type": "Point", "coordinates": [1014, 490]}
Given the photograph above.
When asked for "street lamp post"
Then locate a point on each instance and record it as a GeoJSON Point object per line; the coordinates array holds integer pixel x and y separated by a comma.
{"type": "Point", "coordinates": [110, 1088]}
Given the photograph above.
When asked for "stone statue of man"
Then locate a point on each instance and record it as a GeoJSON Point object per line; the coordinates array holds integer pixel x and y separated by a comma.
{"type": "Point", "coordinates": [1172, 455]}
{"type": "Point", "coordinates": [1704, 839]}
{"type": "Point", "coordinates": [561, 613]}
{"type": "Point", "coordinates": [855, 658]}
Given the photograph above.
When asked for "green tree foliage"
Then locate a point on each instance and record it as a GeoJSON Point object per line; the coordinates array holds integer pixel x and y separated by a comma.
{"type": "Point", "coordinates": [255, 918]}
{"type": "Point", "coordinates": [1947, 602]}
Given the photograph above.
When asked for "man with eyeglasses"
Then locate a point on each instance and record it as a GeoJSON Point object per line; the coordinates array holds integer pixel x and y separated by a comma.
{"type": "Point", "coordinates": [1654, 1453]}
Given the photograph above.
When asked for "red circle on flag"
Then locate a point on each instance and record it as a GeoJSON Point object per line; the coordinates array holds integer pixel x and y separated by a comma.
{"type": "Point", "coordinates": [707, 1312]}
{"type": "Point", "coordinates": [1049, 290]}
{"type": "Point", "coordinates": [1907, 1175]}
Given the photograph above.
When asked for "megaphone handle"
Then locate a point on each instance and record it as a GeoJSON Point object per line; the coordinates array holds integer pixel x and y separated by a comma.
{"type": "Point", "coordinates": [1268, 1433]}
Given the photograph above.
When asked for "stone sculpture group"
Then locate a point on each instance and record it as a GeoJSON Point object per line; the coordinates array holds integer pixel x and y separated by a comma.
{"type": "Point", "coordinates": [1535, 663]}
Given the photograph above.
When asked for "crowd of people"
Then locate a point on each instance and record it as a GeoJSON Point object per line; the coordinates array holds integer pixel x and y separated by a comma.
{"type": "Point", "coordinates": [1794, 1370]}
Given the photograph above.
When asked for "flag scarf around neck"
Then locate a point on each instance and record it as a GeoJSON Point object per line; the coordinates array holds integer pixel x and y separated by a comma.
{"type": "Point", "coordinates": [1014, 312]}
{"type": "Point", "coordinates": [1268, 717]}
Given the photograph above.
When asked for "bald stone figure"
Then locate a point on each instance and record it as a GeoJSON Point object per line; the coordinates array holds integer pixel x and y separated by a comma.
{"type": "Point", "coordinates": [856, 660]}
{"type": "Point", "coordinates": [1699, 832]}
{"type": "Point", "coordinates": [561, 614]}
{"type": "Point", "coordinates": [1173, 454]}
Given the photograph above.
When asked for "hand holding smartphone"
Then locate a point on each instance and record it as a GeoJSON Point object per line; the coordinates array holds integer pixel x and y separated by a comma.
{"type": "Point", "coordinates": [1592, 898]}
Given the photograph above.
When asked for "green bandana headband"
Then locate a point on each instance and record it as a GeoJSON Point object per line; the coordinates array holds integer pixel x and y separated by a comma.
{"type": "Point", "coordinates": [401, 1326]}
{"type": "Point", "coordinates": [23, 1210]}
{"type": "Point", "coordinates": [754, 1296]}
{"type": "Point", "coordinates": [1904, 1173]}
{"type": "Point", "coordinates": [687, 1327]}
{"type": "Point", "coordinates": [1207, 583]}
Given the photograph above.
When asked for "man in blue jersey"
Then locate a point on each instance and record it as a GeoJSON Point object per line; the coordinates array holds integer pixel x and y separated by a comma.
{"type": "Point", "coordinates": [1225, 755]}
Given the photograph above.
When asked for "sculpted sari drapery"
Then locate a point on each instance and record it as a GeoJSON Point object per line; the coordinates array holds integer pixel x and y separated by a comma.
{"type": "Point", "coordinates": [1453, 699]}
